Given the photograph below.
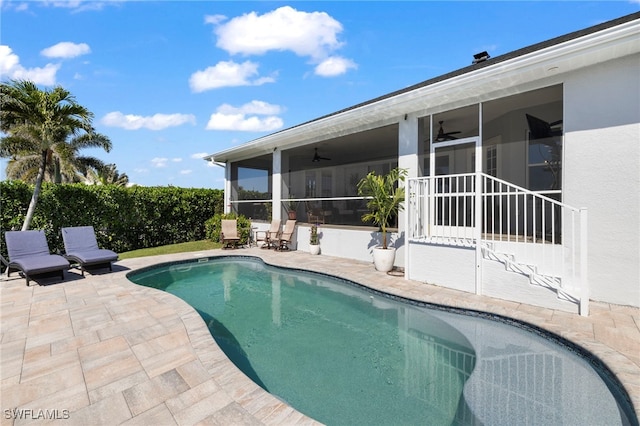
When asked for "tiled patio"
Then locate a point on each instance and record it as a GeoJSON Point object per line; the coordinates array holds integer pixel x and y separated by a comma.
{"type": "Point", "coordinates": [102, 350]}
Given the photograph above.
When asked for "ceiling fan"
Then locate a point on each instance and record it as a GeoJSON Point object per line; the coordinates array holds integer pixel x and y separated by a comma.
{"type": "Point", "coordinates": [445, 136]}
{"type": "Point", "coordinates": [317, 157]}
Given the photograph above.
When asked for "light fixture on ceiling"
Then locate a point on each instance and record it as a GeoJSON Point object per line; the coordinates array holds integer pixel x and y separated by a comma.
{"type": "Point", "coordinates": [317, 157]}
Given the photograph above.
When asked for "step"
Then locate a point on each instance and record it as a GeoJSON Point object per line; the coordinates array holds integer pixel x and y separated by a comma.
{"type": "Point", "coordinates": [531, 271]}
{"type": "Point", "coordinates": [518, 287]}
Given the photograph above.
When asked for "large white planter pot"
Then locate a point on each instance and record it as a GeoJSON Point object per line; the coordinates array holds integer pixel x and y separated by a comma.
{"type": "Point", "coordinates": [383, 258]}
{"type": "Point", "coordinates": [314, 248]}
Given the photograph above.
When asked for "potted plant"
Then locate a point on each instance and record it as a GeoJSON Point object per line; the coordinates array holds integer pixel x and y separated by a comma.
{"type": "Point", "coordinates": [385, 200]}
{"type": "Point", "coordinates": [314, 242]}
{"type": "Point", "coordinates": [291, 206]}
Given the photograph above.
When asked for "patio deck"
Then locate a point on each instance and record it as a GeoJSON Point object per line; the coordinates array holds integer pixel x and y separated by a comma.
{"type": "Point", "coordinates": [102, 350]}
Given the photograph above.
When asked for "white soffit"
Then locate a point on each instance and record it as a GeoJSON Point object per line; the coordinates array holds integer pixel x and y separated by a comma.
{"type": "Point", "coordinates": [511, 76]}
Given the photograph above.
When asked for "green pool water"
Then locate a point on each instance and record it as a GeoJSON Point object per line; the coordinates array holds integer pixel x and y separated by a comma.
{"type": "Point", "coordinates": [345, 355]}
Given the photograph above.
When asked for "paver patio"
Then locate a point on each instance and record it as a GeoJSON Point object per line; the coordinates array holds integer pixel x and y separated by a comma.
{"type": "Point", "coordinates": [102, 350]}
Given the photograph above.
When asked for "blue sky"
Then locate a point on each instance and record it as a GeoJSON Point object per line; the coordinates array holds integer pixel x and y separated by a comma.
{"type": "Point", "coordinates": [172, 81]}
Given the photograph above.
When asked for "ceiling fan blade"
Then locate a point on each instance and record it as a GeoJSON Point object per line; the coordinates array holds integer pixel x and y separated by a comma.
{"type": "Point", "coordinates": [317, 157]}
{"type": "Point", "coordinates": [445, 136]}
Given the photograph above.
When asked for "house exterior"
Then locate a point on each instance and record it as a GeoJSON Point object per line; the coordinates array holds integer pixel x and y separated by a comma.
{"type": "Point", "coordinates": [524, 173]}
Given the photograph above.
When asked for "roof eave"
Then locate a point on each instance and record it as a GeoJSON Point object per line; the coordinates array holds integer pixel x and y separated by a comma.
{"type": "Point", "coordinates": [476, 83]}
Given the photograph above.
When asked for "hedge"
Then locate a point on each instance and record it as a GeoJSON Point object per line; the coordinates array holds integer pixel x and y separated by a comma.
{"type": "Point", "coordinates": [124, 218]}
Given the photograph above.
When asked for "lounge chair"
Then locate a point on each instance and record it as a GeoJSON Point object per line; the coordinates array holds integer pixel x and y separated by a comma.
{"type": "Point", "coordinates": [229, 233]}
{"type": "Point", "coordinates": [29, 253]}
{"type": "Point", "coordinates": [287, 234]}
{"type": "Point", "coordinates": [81, 248]}
{"type": "Point", "coordinates": [269, 237]}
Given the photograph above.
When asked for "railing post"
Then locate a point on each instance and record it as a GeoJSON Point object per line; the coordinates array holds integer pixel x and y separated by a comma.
{"type": "Point", "coordinates": [432, 206]}
{"type": "Point", "coordinates": [478, 230]}
{"type": "Point", "coordinates": [584, 281]}
{"type": "Point", "coordinates": [410, 210]}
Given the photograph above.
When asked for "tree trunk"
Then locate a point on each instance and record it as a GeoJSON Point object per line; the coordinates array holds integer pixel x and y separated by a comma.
{"type": "Point", "coordinates": [57, 173]}
{"type": "Point", "coordinates": [36, 192]}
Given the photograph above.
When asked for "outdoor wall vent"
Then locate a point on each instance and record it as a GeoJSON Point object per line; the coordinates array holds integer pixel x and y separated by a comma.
{"type": "Point", "coordinates": [480, 57]}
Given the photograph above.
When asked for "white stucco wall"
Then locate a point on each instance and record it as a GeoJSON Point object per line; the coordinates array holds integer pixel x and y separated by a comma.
{"type": "Point", "coordinates": [452, 267]}
{"type": "Point", "coordinates": [602, 172]}
{"type": "Point", "coordinates": [349, 243]}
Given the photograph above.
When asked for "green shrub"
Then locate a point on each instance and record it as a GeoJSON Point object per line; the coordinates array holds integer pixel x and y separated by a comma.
{"type": "Point", "coordinates": [124, 218]}
{"type": "Point", "coordinates": [214, 224]}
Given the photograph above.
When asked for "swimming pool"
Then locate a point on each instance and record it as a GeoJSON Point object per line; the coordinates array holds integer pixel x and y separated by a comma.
{"type": "Point", "coordinates": [344, 354]}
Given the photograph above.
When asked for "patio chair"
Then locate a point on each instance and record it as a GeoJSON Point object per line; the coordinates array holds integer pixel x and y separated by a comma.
{"type": "Point", "coordinates": [229, 233]}
{"type": "Point", "coordinates": [269, 237]}
{"type": "Point", "coordinates": [285, 237]}
{"type": "Point", "coordinates": [315, 214]}
{"type": "Point", "coordinates": [29, 253]}
{"type": "Point", "coordinates": [81, 248]}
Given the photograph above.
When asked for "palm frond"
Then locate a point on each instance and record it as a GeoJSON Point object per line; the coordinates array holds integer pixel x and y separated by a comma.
{"type": "Point", "coordinates": [385, 196]}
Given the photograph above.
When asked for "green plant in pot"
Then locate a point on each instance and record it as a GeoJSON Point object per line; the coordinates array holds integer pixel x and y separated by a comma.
{"type": "Point", "coordinates": [314, 240]}
{"type": "Point", "coordinates": [291, 206]}
{"type": "Point", "coordinates": [386, 196]}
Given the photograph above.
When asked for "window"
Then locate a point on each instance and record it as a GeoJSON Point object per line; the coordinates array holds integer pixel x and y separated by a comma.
{"type": "Point", "coordinates": [527, 130]}
{"type": "Point", "coordinates": [544, 155]}
{"type": "Point", "coordinates": [253, 184]}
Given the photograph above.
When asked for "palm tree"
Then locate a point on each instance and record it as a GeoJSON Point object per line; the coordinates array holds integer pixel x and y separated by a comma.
{"type": "Point", "coordinates": [64, 165]}
{"type": "Point", "coordinates": [107, 175]}
{"type": "Point", "coordinates": [44, 128]}
{"type": "Point", "coordinates": [385, 198]}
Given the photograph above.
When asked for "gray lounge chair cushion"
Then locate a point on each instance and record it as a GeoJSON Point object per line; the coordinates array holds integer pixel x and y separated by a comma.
{"type": "Point", "coordinates": [41, 264]}
{"type": "Point", "coordinates": [91, 257]}
{"type": "Point", "coordinates": [80, 244]}
{"type": "Point", "coordinates": [29, 252]}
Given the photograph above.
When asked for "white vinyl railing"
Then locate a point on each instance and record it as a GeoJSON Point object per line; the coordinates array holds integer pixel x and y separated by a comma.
{"type": "Point", "coordinates": [529, 232]}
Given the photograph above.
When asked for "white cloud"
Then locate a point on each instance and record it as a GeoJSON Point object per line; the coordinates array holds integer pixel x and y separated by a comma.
{"type": "Point", "coordinates": [333, 66]}
{"type": "Point", "coordinates": [227, 74]}
{"type": "Point", "coordinates": [253, 107]}
{"type": "Point", "coordinates": [154, 122]}
{"type": "Point", "coordinates": [214, 19]}
{"type": "Point", "coordinates": [185, 172]}
{"type": "Point", "coordinates": [13, 5]}
{"type": "Point", "coordinates": [81, 5]}
{"type": "Point", "coordinates": [163, 162]}
{"type": "Point", "coordinates": [159, 161]}
{"type": "Point", "coordinates": [70, 4]}
{"type": "Point", "coordinates": [241, 122]}
{"type": "Point", "coordinates": [245, 117]}
{"type": "Point", "coordinates": [199, 155]}
{"type": "Point", "coordinates": [66, 49]}
{"type": "Point", "coordinates": [10, 68]}
{"type": "Point", "coordinates": [307, 34]}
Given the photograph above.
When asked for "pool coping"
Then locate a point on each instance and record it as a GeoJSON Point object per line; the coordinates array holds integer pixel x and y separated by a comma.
{"type": "Point", "coordinates": [606, 333]}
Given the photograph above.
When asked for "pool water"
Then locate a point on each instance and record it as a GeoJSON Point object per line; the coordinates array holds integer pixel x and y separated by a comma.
{"type": "Point", "coordinates": [343, 354]}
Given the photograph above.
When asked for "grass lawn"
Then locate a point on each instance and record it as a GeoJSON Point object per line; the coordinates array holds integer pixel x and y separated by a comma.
{"type": "Point", "coordinates": [170, 249]}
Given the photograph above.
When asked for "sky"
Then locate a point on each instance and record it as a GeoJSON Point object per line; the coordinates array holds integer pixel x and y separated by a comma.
{"type": "Point", "coordinates": [169, 82]}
